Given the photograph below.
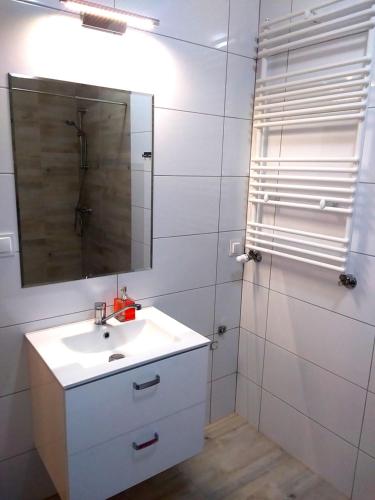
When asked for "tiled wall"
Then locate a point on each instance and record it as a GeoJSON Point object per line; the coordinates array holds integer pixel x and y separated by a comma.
{"type": "Point", "coordinates": [106, 189]}
{"type": "Point", "coordinates": [306, 344]}
{"type": "Point", "coordinates": [141, 196]}
{"type": "Point", "coordinates": [51, 248]}
{"type": "Point", "coordinates": [199, 65]}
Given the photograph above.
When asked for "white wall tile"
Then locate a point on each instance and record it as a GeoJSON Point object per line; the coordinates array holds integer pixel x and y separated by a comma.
{"type": "Point", "coordinates": [223, 397]}
{"type": "Point", "coordinates": [194, 20]}
{"type": "Point", "coordinates": [6, 156]}
{"type": "Point", "coordinates": [178, 21]}
{"type": "Point", "coordinates": [364, 484]}
{"type": "Point", "coordinates": [364, 220]}
{"type": "Point", "coordinates": [141, 187]}
{"type": "Point", "coordinates": [271, 9]}
{"type": "Point", "coordinates": [184, 76]}
{"type": "Point", "coordinates": [15, 424]}
{"type": "Point", "coordinates": [337, 343]}
{"type": "Point", "coordinates": [179, 264]}
{"type": "Point", "coordinates": [311, 220]}
{"type": "Point", "coordinates": [372, 377]}
{"type": "Point", "coordinates": [367, 171]}
{"type": "Point", "coordinates": [248, 400]}
{"type": "Point", "coordinates": [241, 396]}
{"type": "Point", "coordinates": [193, 308]}
{"type": "Point", "coordinates": [13, 365]}
{"type": "Point", "coordinates": [199, 76]}
{"type": "Point", "coordinates": [304, 4]}
{"type": "Point", "coordinates": [233, 204]}
{"type": "Point", "coordinates": [239, 98]}
{"type": "Point", "coordinates": [322, 451]}
{"type": "Point", "coordinates": [208, 404]}
{"type": "Point", "coordinates": [139, 143]}
{"type": "Point", "coordinates": [228, 269]}
{"type": "Point", "coordinates": [185, 205]}
{"type": "Point", "coordinates": [254, 308]}
{"type": "Point", "coordinates": [243, 27]}
{"type": "Point", "coordinates": [258, 272]}
{"type": "Point", "coordinates": [187, 143]}
{"type": "Point", "coordinates": [8, 210]}
{"type": "Point", "coordinates": [24, 477]}
{"type": "Point", "coordinates": [226, 354]}
{"type": "Point", "coordinates": [331, 401]}
{"type": "Point", "coordinates": [368, 431]}
{"type": "Point", "coordinates": [140, 113]}
{"type": "Point", "coordinates": [236, 149]}
{"type": "Point", "coordinates": [140, 258]}
{"type": "Point", "coordinates": [49, 300]}
{"type": "Point", "coordinates": [250, 356]}
{"type": "Point", "coordinates": [317, 286]}
{"type": "Point", "coordinates": [210, 360]}
{"type": "Point", "coordinates": [141, 224]}
{"type": "Point", "coordinates": [228, 304]}
{"type": "Point", "coordinates": [181, 76]}
{"type": "Point", "coordinates": [330, 52]}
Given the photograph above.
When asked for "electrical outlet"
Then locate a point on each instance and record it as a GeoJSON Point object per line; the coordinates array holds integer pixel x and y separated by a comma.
{"type": "Point", "coordinates": [235, 247]}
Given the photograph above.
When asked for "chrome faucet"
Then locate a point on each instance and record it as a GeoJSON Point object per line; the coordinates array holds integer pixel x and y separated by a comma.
{"type": "Point", "coordinates": [100, 308]}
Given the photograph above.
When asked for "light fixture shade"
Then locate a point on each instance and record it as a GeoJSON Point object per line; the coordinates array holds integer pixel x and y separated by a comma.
{"type": "Point", "coordinates": [103, 24]}
{"type": "Point", "coordinates": [107, 18]}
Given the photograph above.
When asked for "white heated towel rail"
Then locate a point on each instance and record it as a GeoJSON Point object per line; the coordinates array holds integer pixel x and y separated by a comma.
{"type": "Point", "coordinates": [327, 95]}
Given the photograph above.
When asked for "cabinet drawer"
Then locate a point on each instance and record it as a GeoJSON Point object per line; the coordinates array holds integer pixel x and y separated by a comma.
{"type": "Point", "coordinates": [109, 468]}
{"type": "Point", "coordinates": [106, 408]}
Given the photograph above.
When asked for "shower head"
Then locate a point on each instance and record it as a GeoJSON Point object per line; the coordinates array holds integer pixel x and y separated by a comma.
{"type": "Point", "coordinates": [71, 123]}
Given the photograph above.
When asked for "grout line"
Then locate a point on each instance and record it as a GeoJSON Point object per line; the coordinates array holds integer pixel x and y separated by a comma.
{"type": "Point", "coordinates": [249, 379]}
{"type": "Point", "coordinates": [201, 176]}
{"type": "Point", "coordinates": [306, 360]}
{"type": "Point", "coordinates": [247, 214]}
{"type": "Point", "coordinates": [362, 253]}
{"type": "Point", "coordinates": [363, 420]}
{"type": "Point", "coordinates": [270, 272]}
{"type": "Point", "coordinates": [18, 455]}
{"type": "Point", "coordinates": [15, 392]}
{"type": "Point", "coordinates": [229, 331]}
{"type": "Point", "coordinates": [46, 318]}
{"type": "Point", "coordinates": [310, 418]}
{"type": "Point", "coordinates": [312, 304]}
{"type": "Point", "coordinates": [224, 376]}
{"type": "Point", "coordinates": [198, 234]}
{"type": "Point", "coordinates": [182, 291]}
{"type": "Point", "coordinates": [184, 235]}
{"type": "Point", "coordinates": [138, 298]}
{"type": "Point", "coordinates": [67, 13]}
{"type": "Point", "coordinates": [366, 453]}
{"type": "Point", "coordinates": [203, 113]}
{"type": "Point", "coordinates": [219, 206]}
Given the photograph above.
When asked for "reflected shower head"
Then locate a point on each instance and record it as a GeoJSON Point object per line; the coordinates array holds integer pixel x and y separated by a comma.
{"type": "Point", "coordinates": [71, 123]}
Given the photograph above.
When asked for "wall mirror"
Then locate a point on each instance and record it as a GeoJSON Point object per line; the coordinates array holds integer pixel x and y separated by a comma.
{"type": "Point", "coordinates": [83, 165]}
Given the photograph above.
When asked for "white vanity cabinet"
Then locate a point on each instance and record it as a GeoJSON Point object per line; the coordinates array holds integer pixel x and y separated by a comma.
{"type": "Point", "coordinates": [101, 437]}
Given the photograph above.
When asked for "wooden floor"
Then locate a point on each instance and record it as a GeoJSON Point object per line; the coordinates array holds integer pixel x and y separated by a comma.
{"type": "Point", "coordinates": [237, 463]}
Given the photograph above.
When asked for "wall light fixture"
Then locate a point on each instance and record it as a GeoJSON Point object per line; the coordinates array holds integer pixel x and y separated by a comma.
{"type": "Point", "coordinates": [104, 18]}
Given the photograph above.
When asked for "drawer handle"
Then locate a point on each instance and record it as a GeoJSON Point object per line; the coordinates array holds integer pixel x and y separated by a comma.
{"type": "Point", "coordinates": [139, 387]}
{"type": "Point", "coordinates": [146, 444]}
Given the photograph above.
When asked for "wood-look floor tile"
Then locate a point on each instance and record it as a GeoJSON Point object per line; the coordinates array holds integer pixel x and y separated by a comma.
{"type": "Point", "coordinates": [237, 463]}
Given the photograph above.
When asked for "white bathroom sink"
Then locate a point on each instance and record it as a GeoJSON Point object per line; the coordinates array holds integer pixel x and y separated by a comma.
{"type": "Point", "coordinates": [79, 352]}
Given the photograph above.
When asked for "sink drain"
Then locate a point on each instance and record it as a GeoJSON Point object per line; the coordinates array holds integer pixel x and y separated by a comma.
{"type": "Point", "coordinates": [115, 356]}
